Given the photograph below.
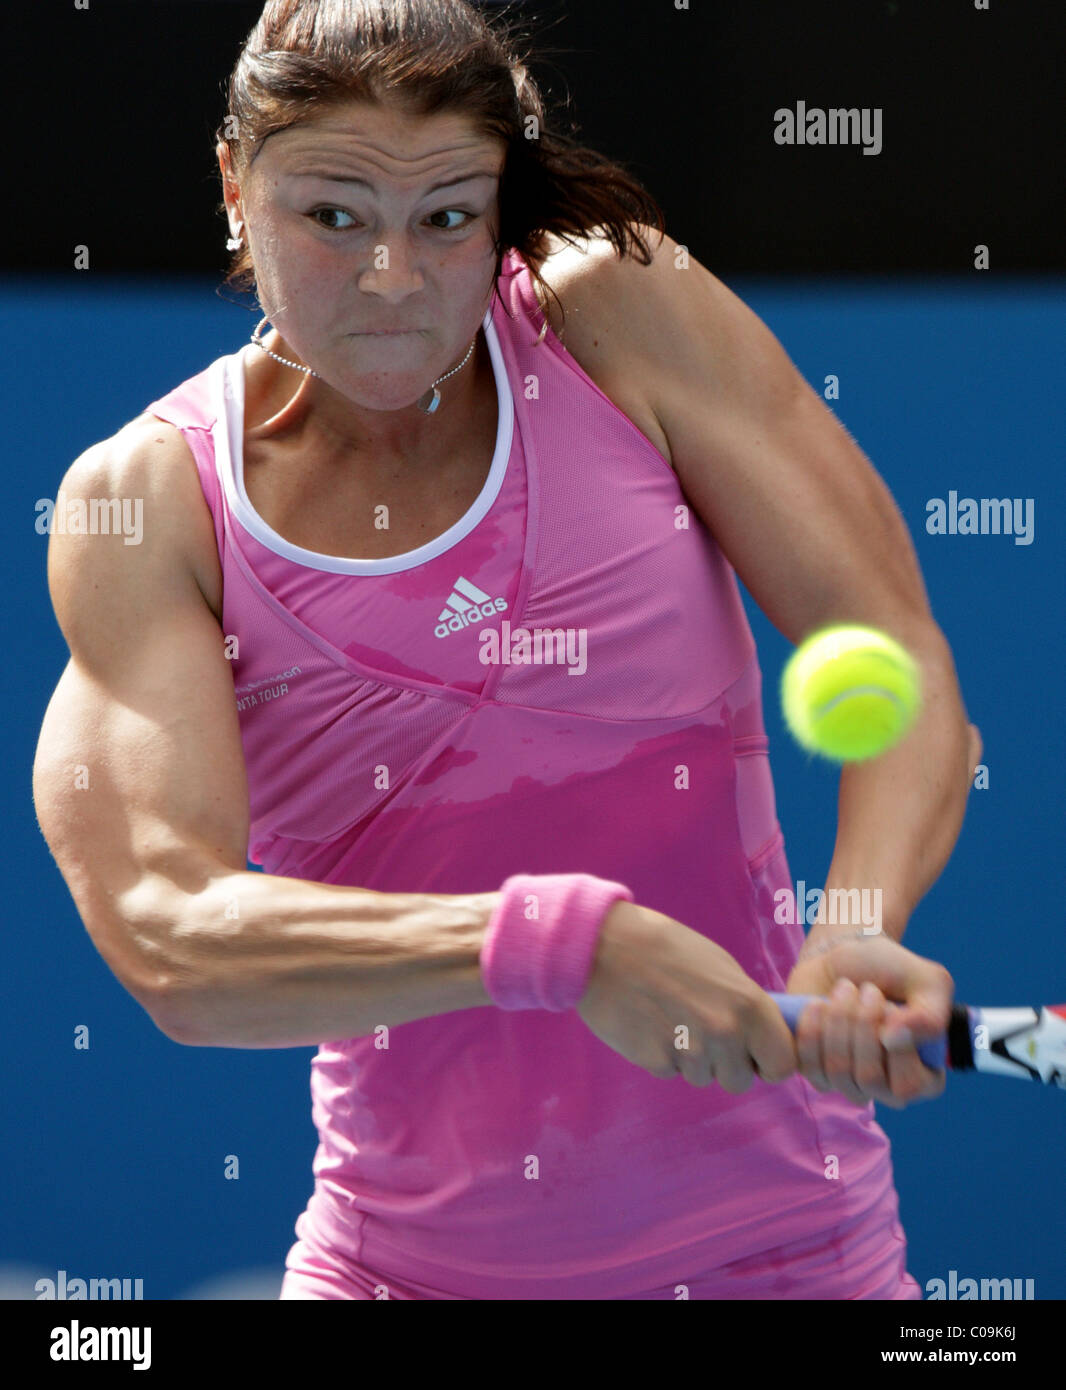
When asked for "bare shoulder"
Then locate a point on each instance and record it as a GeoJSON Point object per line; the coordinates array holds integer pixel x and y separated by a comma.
{"type": "Point", "coordinates": [668, 341]}
{"type": "Point", "coordinates": [145, 472]}
{"type": "Point", "coordinates": [609, 303]}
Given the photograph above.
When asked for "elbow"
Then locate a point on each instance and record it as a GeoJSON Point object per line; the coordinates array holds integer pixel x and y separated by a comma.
{"type": "Point", "coordinates": [169, 1009]}
{"type": "Point", "coordinates": [937, 659]}
{"type": "Point", "coordinates": [166, 998]}
{"type": "Point", "coordinates": [177, 1029]}
{"type": "Point", "coordinates": [157, 963]}
{"type": "Point", "coordinates": [179, 1008]}
{"type": "Point", "coordinates": [976, 749]}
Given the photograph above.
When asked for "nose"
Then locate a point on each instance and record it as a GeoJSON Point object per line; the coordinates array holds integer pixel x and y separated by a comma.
{"type": "Point", "coordinates": [393, 273]}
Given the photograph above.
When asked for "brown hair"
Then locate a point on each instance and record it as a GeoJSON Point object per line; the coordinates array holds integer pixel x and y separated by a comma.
{"type": "Point", "coordinates": [304, 56]}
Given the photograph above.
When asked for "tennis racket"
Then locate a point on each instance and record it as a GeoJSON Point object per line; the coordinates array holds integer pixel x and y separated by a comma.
{"type": "Point", "coordinates": [1029, 1044]}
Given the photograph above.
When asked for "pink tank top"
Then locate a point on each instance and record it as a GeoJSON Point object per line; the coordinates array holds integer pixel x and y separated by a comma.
{"type": "Point", "coordinates": [564, 681]}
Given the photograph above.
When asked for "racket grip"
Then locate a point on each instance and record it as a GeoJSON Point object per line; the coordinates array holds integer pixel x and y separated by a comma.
{"type": "Point", "coordinates": [934, 1053]}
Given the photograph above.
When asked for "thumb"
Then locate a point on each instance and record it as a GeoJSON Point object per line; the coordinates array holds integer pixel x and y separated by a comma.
{"type": "Point", "coordinates": [924, 1016]}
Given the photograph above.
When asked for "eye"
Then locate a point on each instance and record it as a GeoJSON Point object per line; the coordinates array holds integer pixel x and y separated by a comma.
{"type": "Point", "coordinates": [316, 213]}
{"type": "Point", "coordinates": [447, 212]}
{"type": "Point", "coordinates": [340, 211]}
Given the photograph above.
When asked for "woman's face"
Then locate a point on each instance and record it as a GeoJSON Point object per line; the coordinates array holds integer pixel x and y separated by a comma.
{"type": "Point", "coordinates": [340, 264]}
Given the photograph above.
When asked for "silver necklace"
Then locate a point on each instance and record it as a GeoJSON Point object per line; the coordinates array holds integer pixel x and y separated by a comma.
{"type": "Point", "coordinates": [427, 403]}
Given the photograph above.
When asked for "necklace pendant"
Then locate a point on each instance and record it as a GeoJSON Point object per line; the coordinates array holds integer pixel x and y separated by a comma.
{"type": "Point", "coordinates": [428, 403]}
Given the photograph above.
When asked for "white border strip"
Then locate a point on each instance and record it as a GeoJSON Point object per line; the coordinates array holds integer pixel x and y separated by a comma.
{"type": "Point", "coordinates": [228, 432]}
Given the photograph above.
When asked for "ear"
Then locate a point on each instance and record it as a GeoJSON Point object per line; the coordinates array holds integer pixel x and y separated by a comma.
{"type": "Point", "coordinates": [231, 191]}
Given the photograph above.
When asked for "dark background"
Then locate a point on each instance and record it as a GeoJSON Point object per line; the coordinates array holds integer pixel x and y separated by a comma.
{"type": "Point", "coordinates": [111, 114]}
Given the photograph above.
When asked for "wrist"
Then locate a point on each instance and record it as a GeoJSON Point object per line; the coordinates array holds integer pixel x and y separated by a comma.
{"type": "Point", "coordinates": [856, 897]}
{"type": "Point", "coordinates": [822, 939]}
{"type": "Point", "coordinates": [542, 936]}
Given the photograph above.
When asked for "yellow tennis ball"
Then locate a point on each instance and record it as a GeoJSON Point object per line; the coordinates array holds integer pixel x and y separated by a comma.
{"type": "Point", "coordinates": [850, 692]}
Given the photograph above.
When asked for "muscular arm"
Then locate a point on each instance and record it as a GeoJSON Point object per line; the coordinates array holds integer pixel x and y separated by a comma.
{"type": "Point", "coordinates": [811, 529]}
{"type": "Point", "coordinates": [141, 793]}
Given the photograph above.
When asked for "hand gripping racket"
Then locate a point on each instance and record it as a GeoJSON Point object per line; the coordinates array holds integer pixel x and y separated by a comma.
{"type": "Point", "coordinates": [1029, 1044]}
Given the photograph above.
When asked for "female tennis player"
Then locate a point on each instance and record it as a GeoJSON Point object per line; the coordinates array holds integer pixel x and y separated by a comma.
{"type": "Point", "coordinates": [436, 619]}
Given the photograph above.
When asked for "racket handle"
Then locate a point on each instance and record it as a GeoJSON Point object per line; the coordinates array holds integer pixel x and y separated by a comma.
{"type": "Point", "coordinates": [934, 1054]}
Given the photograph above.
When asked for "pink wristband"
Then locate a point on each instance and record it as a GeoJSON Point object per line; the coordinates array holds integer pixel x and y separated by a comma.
{"type": "Point", "coordinates": [544, 961]}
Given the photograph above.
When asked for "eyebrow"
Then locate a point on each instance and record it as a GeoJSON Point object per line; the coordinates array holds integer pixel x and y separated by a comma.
{"type": "Point", "coordinates": [362, 183]}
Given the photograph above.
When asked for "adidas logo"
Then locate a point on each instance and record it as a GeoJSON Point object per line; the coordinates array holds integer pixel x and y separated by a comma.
{"type": "Point", "coordinates": [466, 605]}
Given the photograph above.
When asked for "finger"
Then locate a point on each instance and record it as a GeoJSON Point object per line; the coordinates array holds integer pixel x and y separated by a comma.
{"type": "Point", "coordinates": [911, 1080]}
{"type": "Point", "coordinates": [733, 1068]}
{"type": "Point", "coordinates": [868, 1056]}
{"type": "Point", "coordinates": [694, 1066]}
{"type": "Point", "coordinates": [809, 1045]}
{"type": "Point", "coordinates": [840, 1011]}
{"type": "Point", "coordinates": [768, 1041]}
{"type": "Point", "coordinates": [927, 1010]}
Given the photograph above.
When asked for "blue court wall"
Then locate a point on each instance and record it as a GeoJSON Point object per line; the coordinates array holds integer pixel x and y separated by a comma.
{"type": "Point", "coordinates": [114, 1156]}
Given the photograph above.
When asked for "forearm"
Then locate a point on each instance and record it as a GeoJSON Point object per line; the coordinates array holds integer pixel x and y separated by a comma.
{"type": "Point", "coordinates": [899, 815]}
{"type": "Point", "coordinates": [253, 960]}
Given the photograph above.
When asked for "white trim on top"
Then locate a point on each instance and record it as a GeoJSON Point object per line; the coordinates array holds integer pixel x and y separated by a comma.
{"type": "Point", "coordinates": [228, 433]}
